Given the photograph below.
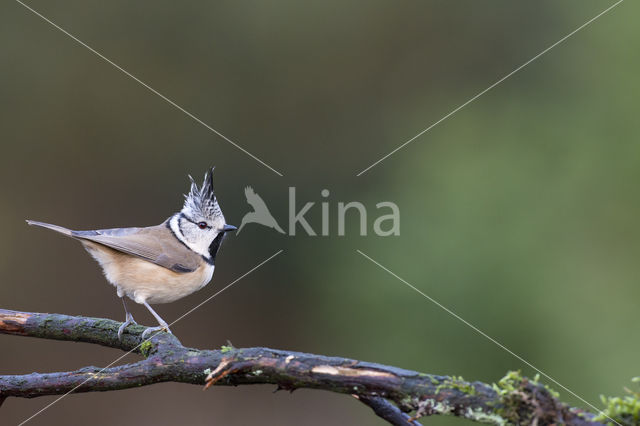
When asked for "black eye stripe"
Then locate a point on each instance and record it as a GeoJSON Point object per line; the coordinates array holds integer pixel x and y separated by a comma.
{"type": "Point", "coordinates": [184, 216]}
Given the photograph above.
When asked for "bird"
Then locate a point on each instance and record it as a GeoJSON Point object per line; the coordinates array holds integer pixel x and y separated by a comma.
{"type": "Point", "coordinates": [261, 213]}
{"type": "Point", "coordinates": [161, 263]}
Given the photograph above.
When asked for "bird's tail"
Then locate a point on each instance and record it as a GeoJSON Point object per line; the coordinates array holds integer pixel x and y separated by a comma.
{"type": "Point", "coordinates": [56, 228]}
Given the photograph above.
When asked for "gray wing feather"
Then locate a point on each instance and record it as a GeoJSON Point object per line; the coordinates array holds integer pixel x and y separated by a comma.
{"type": "Point", "coordinates": [155, 244]}
{"type": "Point", "coordinates": [115, 232]}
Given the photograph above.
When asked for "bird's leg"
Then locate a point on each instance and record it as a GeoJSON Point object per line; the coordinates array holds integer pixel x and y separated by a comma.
{"type": "Point", "coordinates": [128, 319]}
{"type": "Point", "coordinates": [163, 325]}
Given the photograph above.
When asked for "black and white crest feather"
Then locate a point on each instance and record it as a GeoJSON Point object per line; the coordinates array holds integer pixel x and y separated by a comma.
{"type": "Point", "coordinates": [201, 202]}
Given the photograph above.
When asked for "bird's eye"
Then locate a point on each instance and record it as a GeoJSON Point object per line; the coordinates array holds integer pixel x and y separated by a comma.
{"type": "Point", "coordinates": [202, 225]}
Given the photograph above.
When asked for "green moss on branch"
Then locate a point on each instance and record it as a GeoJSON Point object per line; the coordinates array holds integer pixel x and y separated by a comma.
{"type": "Point", "coordinates": [393, 393]}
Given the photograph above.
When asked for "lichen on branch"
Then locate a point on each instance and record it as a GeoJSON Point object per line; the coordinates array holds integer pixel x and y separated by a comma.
{"type": "Point", "coordinates": [397, 395]}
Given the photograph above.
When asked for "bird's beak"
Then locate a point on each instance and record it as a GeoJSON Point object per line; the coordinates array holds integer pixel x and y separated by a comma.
{"type": "Point", "coordinates": [228, 228]}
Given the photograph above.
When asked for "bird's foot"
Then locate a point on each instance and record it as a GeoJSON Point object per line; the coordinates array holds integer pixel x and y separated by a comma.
{"type": "Point", "coordinates": [159, 328]}
{"type": "Point", "coordinates": [129, 320]}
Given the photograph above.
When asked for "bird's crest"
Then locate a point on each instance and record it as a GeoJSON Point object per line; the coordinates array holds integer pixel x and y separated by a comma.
{"type": "Point", "coordinates": [202, 201]}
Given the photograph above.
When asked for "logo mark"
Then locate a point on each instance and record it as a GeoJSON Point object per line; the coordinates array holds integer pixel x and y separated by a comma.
{"type": "Point", "coordinates": [383, 226]}
{"type": "Point", "coordinates": [260, 214]}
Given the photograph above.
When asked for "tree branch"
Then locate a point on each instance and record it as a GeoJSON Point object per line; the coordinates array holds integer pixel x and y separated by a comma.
{"type": "Point", "coordinates": [391, 392]}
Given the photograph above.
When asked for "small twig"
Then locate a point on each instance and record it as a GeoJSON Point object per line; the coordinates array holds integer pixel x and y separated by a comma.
{"type": "Point", "coordinates": [218, 373]}
{"type": "Point", "coordinates": [387, 411]}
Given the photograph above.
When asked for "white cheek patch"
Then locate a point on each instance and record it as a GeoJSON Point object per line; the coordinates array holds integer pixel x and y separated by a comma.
{"type": "Point", "coordinates": [174, 223]}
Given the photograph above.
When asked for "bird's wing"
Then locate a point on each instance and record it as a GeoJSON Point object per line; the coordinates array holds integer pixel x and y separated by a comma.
{"type": "Point", "coordinates": [255, 200]}
{"type": "Point", "coordinates": [155, 244]}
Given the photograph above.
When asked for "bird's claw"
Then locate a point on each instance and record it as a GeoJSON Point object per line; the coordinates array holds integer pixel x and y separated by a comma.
{"type": "Point", "coordinates": [159, 328]}
{"type": "Point", "coordinates": [125, 324]}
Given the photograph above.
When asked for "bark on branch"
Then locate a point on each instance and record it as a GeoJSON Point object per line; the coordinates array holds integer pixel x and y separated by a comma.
{"type": "Point", "coordinates": [396, 395]}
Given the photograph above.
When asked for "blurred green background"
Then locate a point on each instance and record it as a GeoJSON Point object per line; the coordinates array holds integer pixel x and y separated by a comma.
{"type": "Point", "coordinates": [519, 213]}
